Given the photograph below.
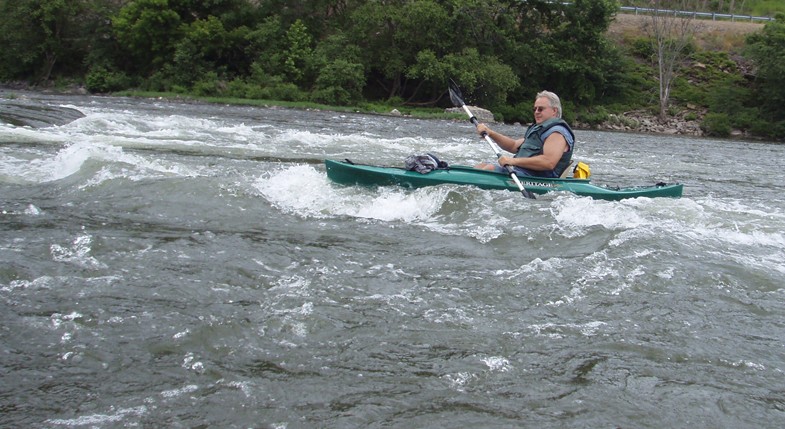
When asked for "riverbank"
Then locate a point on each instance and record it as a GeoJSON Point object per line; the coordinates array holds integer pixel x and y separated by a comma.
{"type": "Point", "coordinates": [634, 122]}
{"type": "Point", "coordinates": [723, 36]}
{"type": "Point", "coordinates": [711, 35]}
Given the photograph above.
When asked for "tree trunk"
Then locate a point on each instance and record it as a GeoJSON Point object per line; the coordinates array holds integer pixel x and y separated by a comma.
{"type": "Point", "coordinates": [669, 35]}
{"type": "Point", "coordinates": [396, 86]}
{"type": "Point", "coordinates": [50, 58]}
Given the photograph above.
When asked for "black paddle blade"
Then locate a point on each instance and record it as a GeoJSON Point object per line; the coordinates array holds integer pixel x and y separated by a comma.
{"type": "Point", "coordinates": [455, 94]}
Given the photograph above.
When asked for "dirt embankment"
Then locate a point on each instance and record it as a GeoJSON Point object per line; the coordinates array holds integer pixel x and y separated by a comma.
{"type": "Point", "coordinates": [719, 34]}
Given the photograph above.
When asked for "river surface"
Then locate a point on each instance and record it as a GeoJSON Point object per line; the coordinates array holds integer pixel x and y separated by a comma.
{"type": "Point", "coordinates": [168, 264]}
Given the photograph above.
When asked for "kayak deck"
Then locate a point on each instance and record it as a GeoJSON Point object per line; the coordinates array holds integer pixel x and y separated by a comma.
{"type": "Point", "coordinates": [348, 173]}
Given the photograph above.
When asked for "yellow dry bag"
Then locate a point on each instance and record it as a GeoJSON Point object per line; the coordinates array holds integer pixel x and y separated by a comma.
{"type": "Point", "coordinates": [581, 171]}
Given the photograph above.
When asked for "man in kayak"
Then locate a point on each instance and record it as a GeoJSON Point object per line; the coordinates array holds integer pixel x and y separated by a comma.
{"type": "Point", "coordinates": [547, 146]}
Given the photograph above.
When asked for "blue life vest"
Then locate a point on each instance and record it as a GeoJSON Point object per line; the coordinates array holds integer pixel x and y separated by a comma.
{"type": "Point", "coordinates": [534, 142]}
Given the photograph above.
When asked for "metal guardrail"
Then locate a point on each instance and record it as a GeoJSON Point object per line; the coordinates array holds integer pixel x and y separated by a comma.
{"type": "Point", "coordinates": [703, 15]}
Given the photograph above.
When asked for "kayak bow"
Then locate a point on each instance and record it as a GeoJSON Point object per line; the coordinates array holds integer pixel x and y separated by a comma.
{"type": "Point", "coordinates": [349, 173]}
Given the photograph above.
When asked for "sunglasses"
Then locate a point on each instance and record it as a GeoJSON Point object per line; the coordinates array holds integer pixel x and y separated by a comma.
{"type": "Point", "coordinates": [538, 109]}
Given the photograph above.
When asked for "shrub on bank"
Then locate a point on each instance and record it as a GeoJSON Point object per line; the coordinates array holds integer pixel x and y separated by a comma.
{"type": "Point", "coordinates": [101, 80]}
{"type": "Point", "coordinates": [594, 117]}
{"type": "Point", "coordinates": [716, 125]}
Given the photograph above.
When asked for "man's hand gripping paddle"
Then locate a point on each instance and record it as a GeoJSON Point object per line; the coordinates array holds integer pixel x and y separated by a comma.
{"type": "Point", "coordinates": [457, 100]}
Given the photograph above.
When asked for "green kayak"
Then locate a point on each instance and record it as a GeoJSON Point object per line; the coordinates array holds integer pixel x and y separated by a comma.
{"type": "Point", "coordinates": [349, 173]}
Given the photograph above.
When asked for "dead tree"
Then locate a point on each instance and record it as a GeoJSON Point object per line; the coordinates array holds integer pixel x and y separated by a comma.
{"type": "Point", "coordinates": [670, 29]}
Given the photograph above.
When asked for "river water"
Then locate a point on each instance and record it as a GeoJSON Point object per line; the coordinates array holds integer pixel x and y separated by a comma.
{"type": "Point", "coordinates": [174, 264]}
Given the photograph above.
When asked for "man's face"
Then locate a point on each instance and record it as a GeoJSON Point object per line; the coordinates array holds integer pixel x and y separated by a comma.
{"type": "Point", "coordinates": [543, 110]}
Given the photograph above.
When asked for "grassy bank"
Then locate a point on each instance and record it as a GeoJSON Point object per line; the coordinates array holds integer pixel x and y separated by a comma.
{"type": "Point", "coordinates": [738, 7]}
{"type": "Point", "coordinates": [367, 108]}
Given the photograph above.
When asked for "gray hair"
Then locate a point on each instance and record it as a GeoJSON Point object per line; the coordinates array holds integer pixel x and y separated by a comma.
{"type": "Point", "coordinates": [553, 99]}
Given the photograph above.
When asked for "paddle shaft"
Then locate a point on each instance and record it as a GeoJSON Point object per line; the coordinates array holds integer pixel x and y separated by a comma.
{"type": "Point", "coordinates": [498, 153]}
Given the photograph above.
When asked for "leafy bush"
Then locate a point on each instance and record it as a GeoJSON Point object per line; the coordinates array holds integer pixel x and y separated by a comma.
{"type": "Point", "coordinates": [340, 82]}
{"type": "Point", "coordinates": [287, 92]}
{"type": "Point", "coordinates": [569, 111]}
{"type": "Point", "coordinates": [767, 129]}
{"type": "Point", "coordinates": [778, 129]}
{"type": "Point", "coordinates": [765, 48]}
{"type": "Point", "coordinates": [593, 117]}
{"type": "Point", "coordinates": [207, 85]}
{"type": "Point", "coordinates": [334, 95]}
{"type": "Point", "coordinates": [101, 80]}
{"type": "Point", "coordinates": [641, 47]}
{"type": "Point", "coordinates": [746, 119]}
{"type": "Point", "coordinates": [237, 88]}
{"type": "Point", "coordinates": [520, 112]}
{"type": "Point", "coordinates": [636, 86]}
{"type": "Point", "coordinates": [716, 125]}
{"type": "Point", "coordinates": [255, 92]}
{"type": "Point", "coordinates": [161, 81]}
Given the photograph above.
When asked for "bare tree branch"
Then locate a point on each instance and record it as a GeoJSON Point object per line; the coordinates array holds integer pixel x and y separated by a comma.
{"type": "Point", "coordinates": [670, 33]}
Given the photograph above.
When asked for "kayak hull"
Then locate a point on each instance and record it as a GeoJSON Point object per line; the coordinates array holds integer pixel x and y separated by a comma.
{"type": "Point", "coordinates": [348, 173]}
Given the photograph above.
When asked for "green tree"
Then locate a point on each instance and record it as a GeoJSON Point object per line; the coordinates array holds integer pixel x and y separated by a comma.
{"type": "Point", "coordinates": [486, 80]}
{"type": "Point", "coordinates": [340, 82]}
{"type": "Point", "coordinates": [493, 79]}
{"type": "Point", "coordinates": [148, 30]}
{"type": "Point", "coordinates": [232, 12]}
{"type": "Point", "coordinates": [501, 51]}
{"type": "Point", "coordinates": [20, 40]}
{"type": "Point", "coordinates": [200, 50]}
{"type": "Point", "coordinates": [392, 34]}
{"type": "Point", "coordinates": [265, 43]}
{"type": "Point", "coordinates": [559, 46]}
{"type": "Point", "coordinates": [339, 70]}
{"type": "Point", "coordinates": [298, 51]}
{"type": "Point", "coordinates": [767, 50]}
{"type": "Point", "coordinates": [38, 35]}
{"type": "Point", "coordinates": [322, 17]}
{"type": "Point", "coordinates": [581, 64]}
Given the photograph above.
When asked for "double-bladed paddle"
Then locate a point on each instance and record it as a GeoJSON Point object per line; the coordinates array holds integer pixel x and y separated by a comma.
{"type": "Point", "coordinates": [457, 100]}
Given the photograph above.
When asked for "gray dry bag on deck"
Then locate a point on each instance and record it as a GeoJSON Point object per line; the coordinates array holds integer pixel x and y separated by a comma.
{"type": "Point", "coordinates": [424, 164]}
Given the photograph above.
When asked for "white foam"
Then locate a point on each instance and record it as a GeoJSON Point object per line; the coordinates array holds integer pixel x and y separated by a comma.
{"type": "Point", "coordinates": [460, 380]}
{"type": "Point", "coordinates": [162, 128]}
{"type": "Point", "coordinates": [497, 363]}
{"type": "Point", "coordinates": [32, 210]}
{"type": "Point", "coordinates": [78, 253]}
{"type": "Point", "coordinates": [71, 159]}
{"type": "Point", "coordinates": [190, 362]}
{"type": "Point", "coordinates": [451, 315]}
{"type": "Point", "coordinates": [304, 191]}
{"type": "Point", "coordinates": [581, 213]}
{"type": "Point", "coordinates": [179, 392]}
{"type": "Point", "coordinates": [558, 330]}
{"type": "Point", "coordinates": [98, 419]}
